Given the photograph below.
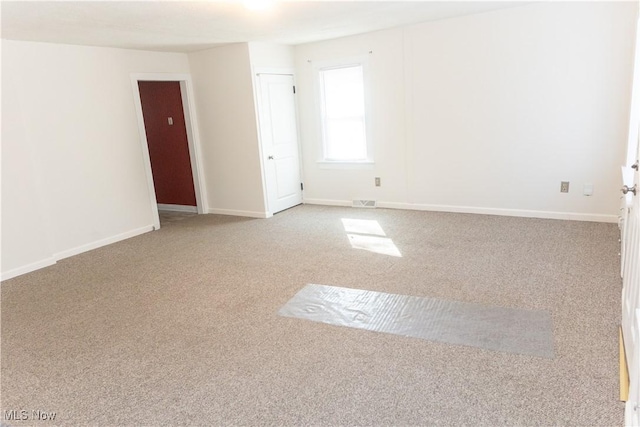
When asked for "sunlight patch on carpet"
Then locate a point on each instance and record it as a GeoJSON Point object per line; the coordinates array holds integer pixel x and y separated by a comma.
{"type": "Point", "coordinates": [368, 235]}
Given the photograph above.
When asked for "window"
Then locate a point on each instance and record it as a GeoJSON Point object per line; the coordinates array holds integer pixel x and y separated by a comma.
{"type": "Point", "coordinates": [342, 107]}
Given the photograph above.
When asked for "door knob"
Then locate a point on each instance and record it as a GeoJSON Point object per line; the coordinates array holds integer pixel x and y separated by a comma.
{"type": "Point", "coordinates": [270, 157]}
{"type": "Point", "coordinates": [627, 189]}
{"type": "Point", "coordinates": [635, 165]}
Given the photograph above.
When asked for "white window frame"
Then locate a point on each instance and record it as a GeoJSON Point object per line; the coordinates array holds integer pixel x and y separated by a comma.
{"type": "Point", "coordinates": [323, 162]}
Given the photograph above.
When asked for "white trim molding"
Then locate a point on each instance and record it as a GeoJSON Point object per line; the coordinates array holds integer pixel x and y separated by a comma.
{"type": "Point", "coordinates": [572, 216]}
{"type": "Point", "coordinates": [327, 164]}
{"type": "Point", "coordinates": [250, 214]}
{"type": "Point", "coordinates": [71, 252]}
{"type": "Point", "coordinates": [27, 268]}
{"type": "Point", "coordinates": [103, 242]}
{"type": "Point", "coordinates": [327, 202]}
{"type": "Point", "coordinates": [193, 137]}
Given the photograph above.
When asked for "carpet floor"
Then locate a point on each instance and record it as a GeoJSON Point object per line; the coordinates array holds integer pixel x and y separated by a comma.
{"type": "Point", "coordinates": [180, 326]}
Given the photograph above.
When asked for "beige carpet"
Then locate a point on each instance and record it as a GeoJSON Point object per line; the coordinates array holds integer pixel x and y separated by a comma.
{"type": "Point", "coordinates": [180, 326]}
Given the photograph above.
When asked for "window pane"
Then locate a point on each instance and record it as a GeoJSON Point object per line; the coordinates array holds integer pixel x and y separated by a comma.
{"type": "Point", "coordinates": [343, 92]}
{"type": "Point", "coordinates": [345, 139]}
{"type": "Point", "coordinates": [344, 115]}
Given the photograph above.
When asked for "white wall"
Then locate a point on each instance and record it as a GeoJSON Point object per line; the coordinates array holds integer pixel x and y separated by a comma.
{"type": "Point", "coordinates": [26, 242]}
{"type": "Point", "coordinates": [271, 55]}
{"type": "Point", "coordinates": [73, 175]}
{"type": "Point", "coordinates": [228, 130]}
{"type": "Point", "coordinates": [488, 113]}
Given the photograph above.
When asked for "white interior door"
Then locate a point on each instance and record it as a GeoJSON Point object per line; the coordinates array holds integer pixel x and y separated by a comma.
{"type": "Point", "coordinates": [279, 139]}
{"type": "Point", "coordinates": [631, 299]}
{"type": "Point", "coordinates": [631, 252]}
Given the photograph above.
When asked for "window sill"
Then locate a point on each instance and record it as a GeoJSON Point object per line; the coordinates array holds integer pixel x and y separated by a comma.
{"type": "Point", "coordinates": [328, 164]}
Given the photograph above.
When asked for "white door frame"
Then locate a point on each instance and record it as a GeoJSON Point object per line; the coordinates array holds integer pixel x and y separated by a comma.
{"type": "Point", "coordinates": [256, 100]}
{"type": "Point", "coordinates": [193, 138]}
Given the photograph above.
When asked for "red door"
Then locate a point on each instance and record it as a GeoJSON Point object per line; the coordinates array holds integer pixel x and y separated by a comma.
{"type": "Point", "coordinates": [167, 140]}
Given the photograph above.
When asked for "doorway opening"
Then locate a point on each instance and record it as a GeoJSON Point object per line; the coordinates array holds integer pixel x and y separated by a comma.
{"type": "Point", "coordinates": [168, 134]}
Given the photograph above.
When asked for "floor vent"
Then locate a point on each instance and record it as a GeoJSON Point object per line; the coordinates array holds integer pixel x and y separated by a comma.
{"type": "Point", "coordinates": [364, 203]}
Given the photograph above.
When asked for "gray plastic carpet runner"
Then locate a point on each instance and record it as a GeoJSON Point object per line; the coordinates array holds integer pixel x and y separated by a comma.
{"type": "Point", "coordinates": [511, 330]}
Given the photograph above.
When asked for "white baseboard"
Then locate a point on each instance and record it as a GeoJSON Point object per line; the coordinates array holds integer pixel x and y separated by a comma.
{"type": "Point", "coordinates": [327, 202]}
{"type": "Point", "coordinates": [27, 268]}
{"type": "Point", "coordinates": [177, 208]}
{"type": "Point", "coordinates": [573, 216]}
{"type": "Point", "coordinates": [71, 252]}
{"type": "Point", "coordinates": [103, 242]}
{"type": "Point", "coordinates": [250, 214]}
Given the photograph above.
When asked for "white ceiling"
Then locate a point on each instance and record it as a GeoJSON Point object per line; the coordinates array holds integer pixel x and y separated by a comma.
{"type": "Point", "coordinates": [184, 26]}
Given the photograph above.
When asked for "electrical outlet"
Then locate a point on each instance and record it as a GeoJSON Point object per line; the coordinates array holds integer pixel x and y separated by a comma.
{"type": "Point", "coordinates": [564, 186]}
{"type": "Point", "coordinates": [377, 181]}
